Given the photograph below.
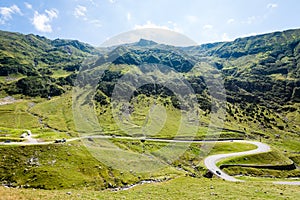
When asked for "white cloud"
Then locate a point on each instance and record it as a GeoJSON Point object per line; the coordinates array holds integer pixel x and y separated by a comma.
{"type": "Point", "coordinates": [230, 21]}
{"type": "Point", "coordinates": [225, 37]}
{"type": "Point", "coordinates": [7, 12]}
{"type": "Point", "coordinates": [112, 1]}
{"type": "Point", "coordinates": [149, 24]}
{"type": "Point", "coordinates": [175, 27]}
{"type": "Point", "coordinates": [192, 18]}
{"type": "Point", "coordinates": [207, 26]}
{"type": "Point", "coordinates": [272, 5]}
{"type": "Point", "coordinates": [128, 16]}
{"type": "Point", "coordinates": [80, 11]}
{"type": "Point", "coordinates": [52, 13]}
{"type": "Point", "coordinates": [42, 21]}
{"type": "Point", "coordinates": [28, 5]}
{"type": "Point", "coordinates": [96, 22]}
{"type": "Point", "coordinates": [250, 20]}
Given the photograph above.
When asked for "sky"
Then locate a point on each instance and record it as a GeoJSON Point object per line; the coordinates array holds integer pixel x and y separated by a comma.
{"type": "Point", "coordinates": [95, 21]}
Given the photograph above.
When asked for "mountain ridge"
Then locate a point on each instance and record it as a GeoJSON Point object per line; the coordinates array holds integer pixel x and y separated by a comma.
{"type": "Point", "coordinates": [67, 89]}
{"type": "Point", "coordinates": [262, 70]}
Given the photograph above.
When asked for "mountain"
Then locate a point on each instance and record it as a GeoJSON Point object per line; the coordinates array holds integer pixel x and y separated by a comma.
{"type": "Point", "coordinates": [60, 88]}
{"type": "Point", "coordinates": [260, 73]}
{"type": "Point", "coordinates": [36, 66]}
{"type": "Point", "coordinates": [262, 69]}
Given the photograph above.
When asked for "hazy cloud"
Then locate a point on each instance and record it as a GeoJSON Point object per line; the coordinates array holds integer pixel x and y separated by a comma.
{"type": "Point", "coordinates": [207, 26]}
{"type": "Point", "coordinates": [42, 21]}
{"type": "Point", "coordinates": [149, 24]}
{"type": "Point", "coordinates": [28, 5]}
{"type": "Point", "coordinates": [7, 12]}
{"type": "Point", "coordinates": [251, 19]}
{"type": "Point", "coordinates": [128, 16]}
{"type": "Point", "coordinates": [80, 11]}
{"type": "Point", "coordinates": [230, 21]}
{"type": "Point", "coordinates": [52, 13]}
{"type": "Point", "coordinates": [272, 5]}
{"type": "Point", "coordinates": [96, 22]}
{"type": "Point", "coordinates": [225, 37]}
{"type": "Point", "coordinates": [192, 18]}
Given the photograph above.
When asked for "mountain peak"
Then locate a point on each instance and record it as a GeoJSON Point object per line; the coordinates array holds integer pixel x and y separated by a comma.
{"type": "Point", "coordinates": [144, 42]}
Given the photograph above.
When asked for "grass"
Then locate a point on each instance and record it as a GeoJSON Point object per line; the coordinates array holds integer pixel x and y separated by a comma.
{"type": "Point", "coordinates": [71, 165]}
{"type": "Point", "coordinates": [9, 132]}
{"type": "Point", "coordinates": [296, 159]}
{"type": "Point", "coordinates": [157, 118]}
{"type": "Point", "coordinates": [56, 113]}
{"type": "Point", "coordinates": [274, 157]}
{"type": "Point", "coordinates": [49, 135]}
{"type": "Point", "coordinates": [155, 155]}
{"type": "Point", "coordinates": [60, 73]}
{"type": "Point", "coordinates": [288, 144]}
{"type": "Point", "coordinates": [12, 139]}
{"type": "Point", "coordinates": [57, 166]}
{"type": "Point", "coordinates": [15, 116]}
{"type": "Point", "coordinates": [10, 79]}
{"type": "Point", "coordinates": [37, 115]}
{"type": "Point", "coordinates": [62, 167]}
{"type": "Point", "coordinates": [262, 173]}
{"type": "Point", "coordinates": [179, 188]}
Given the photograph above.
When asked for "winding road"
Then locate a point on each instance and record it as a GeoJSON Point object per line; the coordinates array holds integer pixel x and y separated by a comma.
{"type": "Point", "coordinates": [210, 161]}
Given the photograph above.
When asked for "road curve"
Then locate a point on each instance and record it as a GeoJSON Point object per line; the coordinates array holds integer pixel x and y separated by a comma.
{"type": "Point", "coordinates": [211, 161]}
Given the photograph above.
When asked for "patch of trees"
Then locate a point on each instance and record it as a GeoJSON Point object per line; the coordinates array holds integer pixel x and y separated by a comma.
{"type": "Point", "coordinates": [9, 65]}
{"type": "Point", "coordinates": [176, 61]}
{"type": "Point", "coordinates": [72, 67]}
{"type": "Point", "coordinates": [38, 86]}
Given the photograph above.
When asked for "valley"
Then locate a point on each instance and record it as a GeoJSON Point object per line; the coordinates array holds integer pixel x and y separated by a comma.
{"type": "Point", "coordinates": [102, 120]}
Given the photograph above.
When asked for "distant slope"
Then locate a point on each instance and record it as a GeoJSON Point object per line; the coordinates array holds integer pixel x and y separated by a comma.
{"type": "Point", "coordinates": [261, 73]}
{"type": "Point", "coordinates": [30, 62]}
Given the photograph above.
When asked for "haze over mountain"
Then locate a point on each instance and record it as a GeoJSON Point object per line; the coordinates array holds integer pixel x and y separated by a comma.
{"type": "Point", "coordinates": [261, 70]}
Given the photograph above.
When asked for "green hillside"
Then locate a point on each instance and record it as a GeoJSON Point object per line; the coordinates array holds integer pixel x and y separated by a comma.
{"type": "Point", "coordinates": [67, 89]}
{"type": "Point", "coordinates": [36, 66]}
{"type": "Point", "coordinates": [260, 74]}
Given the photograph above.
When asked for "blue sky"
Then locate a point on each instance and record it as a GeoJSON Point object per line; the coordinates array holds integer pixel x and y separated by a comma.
{"type": "Point", "coordinates": [94, 21]}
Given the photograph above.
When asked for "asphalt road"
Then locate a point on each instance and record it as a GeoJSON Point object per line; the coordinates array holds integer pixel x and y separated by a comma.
{"type": "Point", "coordinates": [211, 161]}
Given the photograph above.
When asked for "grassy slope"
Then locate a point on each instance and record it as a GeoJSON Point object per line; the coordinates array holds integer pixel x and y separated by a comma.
{"type": "Point", "coordinates": [61, 166]}
{"type": "Point", "coordinates": [16, 116]}
{"type": "Point", "coordinates": [58, 166]}
{"type": "Point", "coordinates": [56, 113]}
{"type": "Point", "coordinates": [57, 122]}
{"type": "Point", "coordinates": [56, 116]}
{"type": "Point", "coordinates": [275, 158]}
{"type": "Point", "coordinates": [180, 188]}
{"type": "Point", "coordinates": [47, 120]}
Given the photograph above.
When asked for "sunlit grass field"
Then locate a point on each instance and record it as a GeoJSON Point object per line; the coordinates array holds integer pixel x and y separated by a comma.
{"type": "Point", "coordinates": [179, 188]}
